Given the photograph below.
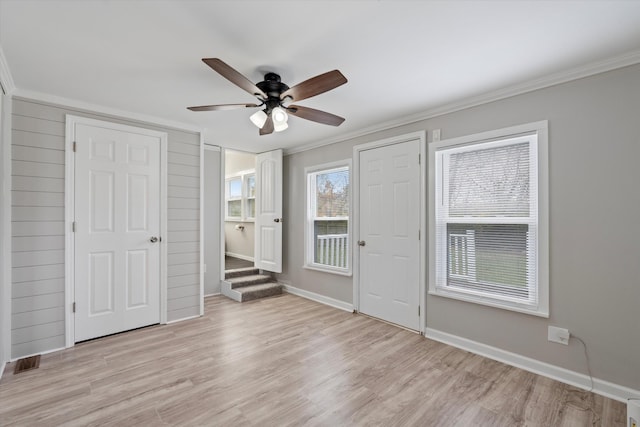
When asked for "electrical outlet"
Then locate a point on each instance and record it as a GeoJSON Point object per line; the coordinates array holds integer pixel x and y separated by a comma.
{"type": "Point", "coordinates": [559, 335]}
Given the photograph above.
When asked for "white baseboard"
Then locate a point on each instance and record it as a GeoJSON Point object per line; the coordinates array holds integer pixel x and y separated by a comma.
{"type": "Point", "coordinates": [244, 257]}
{"type": "Point", "coordinates": [183, 319]}
{"type": "Point", "coordinates": [2, 366]}
{"type": "Point", "coordinates": [318, 298]}
{"type": "Point", "coordinates": [53, 350]}
{"type": "Point", "coordinates": [602, 387]}
{"type": "Point", "coordinates": [212, 295]}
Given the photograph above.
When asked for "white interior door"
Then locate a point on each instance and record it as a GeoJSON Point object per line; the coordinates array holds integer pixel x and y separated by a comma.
{"type": "Point", "coordinates": [389, 246]}
{"type": "Point", "coordinates": [268, 222]}
{"type": "Point", "coordinates": [117, 223]}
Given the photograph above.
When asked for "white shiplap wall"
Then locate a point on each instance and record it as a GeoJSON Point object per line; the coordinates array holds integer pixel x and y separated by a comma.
{"type": "Point", "coordinates": [38, 134]}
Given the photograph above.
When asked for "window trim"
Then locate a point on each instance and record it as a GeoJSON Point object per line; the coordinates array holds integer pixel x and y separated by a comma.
{"type": "Point", "coordinates": [309, 219]}
{"type": "Point", "coordinates": [542, 253]}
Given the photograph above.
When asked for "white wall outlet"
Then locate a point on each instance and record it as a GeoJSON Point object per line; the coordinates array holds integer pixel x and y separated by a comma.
{"type": "Point", "coordinates": [559, 335]}
{"type": "Point", "coordinates": [435, 135]}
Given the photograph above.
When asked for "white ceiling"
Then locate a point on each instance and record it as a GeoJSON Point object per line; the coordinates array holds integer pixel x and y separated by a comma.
{"type": "Point", "coordinates": [401, 57]}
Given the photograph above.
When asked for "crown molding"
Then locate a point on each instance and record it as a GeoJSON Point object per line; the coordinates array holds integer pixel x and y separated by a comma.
{"type": "Point", "coordinates": [82, 106]}
{"type": "Point", "coordinates": [625, 60]}
{"type": "Point", "coordinates": [5, 75]}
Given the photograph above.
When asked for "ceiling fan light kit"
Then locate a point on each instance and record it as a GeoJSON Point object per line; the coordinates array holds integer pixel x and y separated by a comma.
{"type": "Point", "coordinates": [273, 94]}
{"type": "Point", "coordinates": [280, 118]}
{"type": "Point", "coordinates": [259, 118]}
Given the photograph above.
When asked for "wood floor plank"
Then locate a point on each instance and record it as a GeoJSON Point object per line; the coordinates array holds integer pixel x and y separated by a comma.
{"type": "Point", "coordinates": [287, 361]}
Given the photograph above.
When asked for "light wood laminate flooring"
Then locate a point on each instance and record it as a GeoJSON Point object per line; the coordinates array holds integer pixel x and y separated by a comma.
{"type": "Point", "coordinates": [287, 361]}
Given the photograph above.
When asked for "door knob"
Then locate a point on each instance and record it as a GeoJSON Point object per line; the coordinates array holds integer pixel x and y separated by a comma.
{"type": "Point", "coordinates": [361, 243]}
{"type": "Point", "coordinates": [278, 220]}
{"type": "Point", "coordinates": [153, 239]}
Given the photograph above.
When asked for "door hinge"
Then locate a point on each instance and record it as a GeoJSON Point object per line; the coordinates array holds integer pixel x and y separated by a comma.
{"type": "Point", "coordinates": [418, 310]}
{"type": "Point", "coordinates": [73, 227]}
{"type": "Point", "coordinates": [419, 159]}
{"type": "Point", "coordinates": [74, 146]}
{"type": "Point", "coordinates": [419, 234]}
{"type": "Point", "coordinates": [73, 307]}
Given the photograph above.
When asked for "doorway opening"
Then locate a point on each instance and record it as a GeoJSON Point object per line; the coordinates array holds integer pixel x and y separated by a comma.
{"type": "Point", "coordinates": [239, 209]}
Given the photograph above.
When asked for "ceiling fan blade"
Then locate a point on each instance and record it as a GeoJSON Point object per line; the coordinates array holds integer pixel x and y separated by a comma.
{"type": "Point", "coordinates": [234, 76]}
{"type": "Point", "coordinates": [221, 107]}
{"type": "Point", "coordinates": [268, 126]}
{"type": "Point", "coordinates": [315, 86]}
{"type": "Point", "coordinates": [315, 115]}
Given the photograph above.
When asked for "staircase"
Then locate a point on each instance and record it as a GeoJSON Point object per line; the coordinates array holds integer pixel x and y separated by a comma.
{"type": "Point", "coordinates": [246, 284]}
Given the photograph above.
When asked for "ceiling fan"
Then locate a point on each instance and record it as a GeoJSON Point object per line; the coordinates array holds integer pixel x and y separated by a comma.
{"type": "Point", "coordinates": [273, 94]}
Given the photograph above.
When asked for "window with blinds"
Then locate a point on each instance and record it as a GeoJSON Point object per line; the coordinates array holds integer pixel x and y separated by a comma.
{"type": "Point", "coordinates": [327, 228]}
{"type": "Point", "coordinates": [485, 221]}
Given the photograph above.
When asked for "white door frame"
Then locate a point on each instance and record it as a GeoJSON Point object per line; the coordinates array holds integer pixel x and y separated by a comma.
{"type": "Point", "coordinates": [69, 209]}
{"type": "Point", "coordinates": [209, 147]}
{"type": "Point", "coordinates": [421, 136]}
{"type": "Point", "coordinates": [5, 280]}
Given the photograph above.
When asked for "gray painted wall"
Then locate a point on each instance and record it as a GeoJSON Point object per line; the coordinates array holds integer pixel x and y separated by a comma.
{"type": "Point", "coordinates": [38, 136]}
{"type": "Point", "coordinates": [594, 147]}
{"type": "Point", "coordinates": [212, 198]}
{"type": "Point", "coordinates": [239, 242]}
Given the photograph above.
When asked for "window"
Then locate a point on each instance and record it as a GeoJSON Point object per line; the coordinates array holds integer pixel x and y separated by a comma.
{"type": "Point", "coordinates": [488, 218]}
{"type": "Point", "coordinates": [327, 228]}
{"type": "Point", "coordinates": [250, 191]}
{"type": "Point", "coordinates": [241, 197]}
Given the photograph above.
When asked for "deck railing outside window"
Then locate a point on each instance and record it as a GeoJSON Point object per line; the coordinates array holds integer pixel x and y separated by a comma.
{"type": "Point", "coordinates": [332, 249]}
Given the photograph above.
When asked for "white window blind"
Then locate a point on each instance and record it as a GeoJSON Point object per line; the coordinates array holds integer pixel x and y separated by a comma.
{"type": "Point", "coordinates": [486, 220]}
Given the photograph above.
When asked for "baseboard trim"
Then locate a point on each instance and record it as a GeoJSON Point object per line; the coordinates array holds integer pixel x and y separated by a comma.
{"type": "Point", "coordinates": [317, 297]}
{"type": "Point", "coordinates": [244, 257]}
{"type": "Point", "coordinates": [213, 295]}
{"type": "Point", "coordinates": [13, 359]}
{"type": "Point", "coordinates": [183, 319]}
{"type": "Point", "coordinates": [3, 365]}
{"type": "Point", "coordinates": [602, 387]}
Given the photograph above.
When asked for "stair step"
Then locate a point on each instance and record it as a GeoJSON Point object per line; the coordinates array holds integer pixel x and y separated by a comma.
{"type": "Point", "coordinates": [246, 271]}
{"type": "Point", "coordinates": [244, 281]}
{"type": "Point", "coordinates": [262, 290]}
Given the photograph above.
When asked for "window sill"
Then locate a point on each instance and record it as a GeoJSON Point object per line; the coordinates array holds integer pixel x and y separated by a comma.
{"type": "Point", "coordinates": [489, 302]}
{"type": "Point", "coordinates": [328, 270]}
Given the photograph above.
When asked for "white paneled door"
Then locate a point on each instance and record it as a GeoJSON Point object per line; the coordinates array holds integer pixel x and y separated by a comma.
{"type": "Point", "coordinates": [389, 246]}
{"type": "Point", "coordinates": [117, 231]}
{"type": "Point", "coordinates": [268, 238]}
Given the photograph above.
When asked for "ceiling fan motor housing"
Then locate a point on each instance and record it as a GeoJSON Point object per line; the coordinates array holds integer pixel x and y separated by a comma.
{"type": "Point", "coordinates": [273, 87]}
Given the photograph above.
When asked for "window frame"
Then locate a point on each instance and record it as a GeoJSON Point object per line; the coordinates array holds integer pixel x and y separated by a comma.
{"type": "Point", "coordinates": [539, 159]}
{"type": "Point", "coordinates": [310, 217]}
{"type": "Point", "coordinates": [244, 198]}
